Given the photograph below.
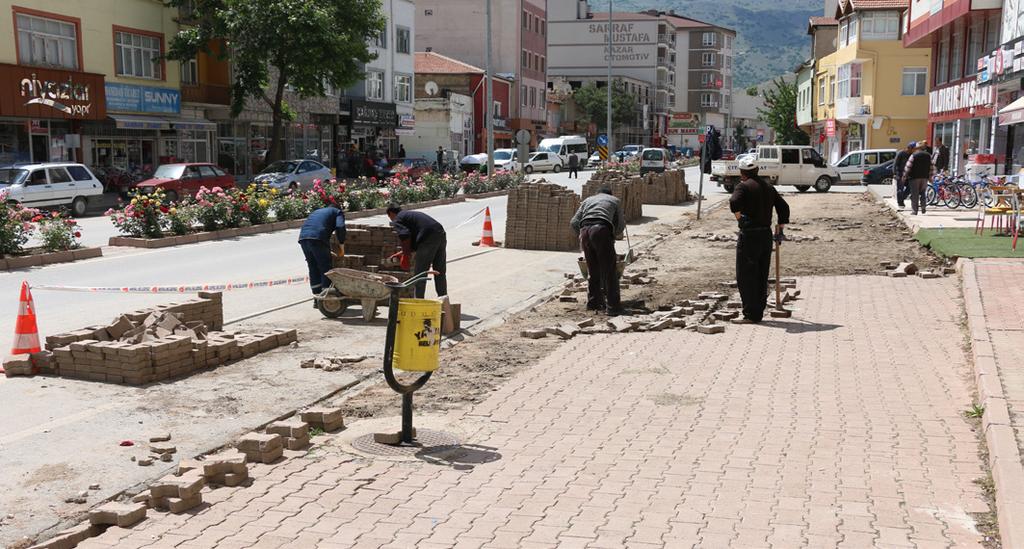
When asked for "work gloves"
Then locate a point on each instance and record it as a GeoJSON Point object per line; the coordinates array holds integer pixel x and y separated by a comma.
{"type": "Point", "coordinates": [403, 260]}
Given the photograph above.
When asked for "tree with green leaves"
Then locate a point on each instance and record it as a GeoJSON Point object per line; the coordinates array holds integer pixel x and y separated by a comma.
{"type": "Point", "coordinates": [593, 102]}
{"type": "Point", "coordinates": [274, 45]}
{"type": "Point", "coordinates": [780, 113]}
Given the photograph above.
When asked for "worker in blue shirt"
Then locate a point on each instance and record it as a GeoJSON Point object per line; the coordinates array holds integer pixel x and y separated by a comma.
{"type": "Point", "coordinates": [315, 239]}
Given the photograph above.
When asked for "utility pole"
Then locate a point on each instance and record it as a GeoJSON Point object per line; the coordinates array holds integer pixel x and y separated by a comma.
{"type": "Point", "coordinates": [490, 99]}
{"type": "Point", "coordinates": [608, 121]}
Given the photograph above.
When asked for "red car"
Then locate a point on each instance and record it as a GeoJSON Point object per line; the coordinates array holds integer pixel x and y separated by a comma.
{"type": "Point", "coordinates": [728, 154]}
{"type": "Point", "coordinates": [413, 167]}
{"type": "Point", "coordinates": [179, 180]}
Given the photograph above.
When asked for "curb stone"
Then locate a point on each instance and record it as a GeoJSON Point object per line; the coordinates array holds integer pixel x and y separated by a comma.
{"type": "Point", "coordinates": [1004, 456]}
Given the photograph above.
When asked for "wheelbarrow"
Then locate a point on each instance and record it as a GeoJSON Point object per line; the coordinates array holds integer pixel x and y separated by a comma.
{"type": "Point", "coordinates": [348, 287]}
{"type": "Point", "coordinates": [621, 260]}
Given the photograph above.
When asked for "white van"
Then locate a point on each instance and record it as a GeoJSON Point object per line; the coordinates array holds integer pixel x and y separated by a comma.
{"type": "Point", "coordinates": [565, 146]}
{"type": "Point", "coordinates": [653, 160]}
{"type": "Point", "coordinates": [852, 166]}
{"type": "Point", "coordinates": [50, 184]}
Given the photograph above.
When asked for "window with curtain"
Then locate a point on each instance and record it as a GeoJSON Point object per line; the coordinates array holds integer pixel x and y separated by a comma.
{"type": "Point", "coordinates": [47, 42]}
{"type": "Point", "coordinates": [403, 88]}
{"type": "Point", "coordinates": [915, 80]}
{"type": "Point", "coordinates": [880, 25]}
{"type": "Point", "coordinates": [975, 42]}
{"type": "Point", "coordinates": [942, 65]}
{"type": "Point", "coordinates": [190, 72]}
{"type": "Point", "coordinates": [402, 42]}
{"type": "Point", "coordinates": [137, 55]}
{"type": "Point", "coordinates": [844, 32]}
{"type": "Point", "coordinates": [956, 70]}
{"type": "Point", "coordinates": [375, 85]}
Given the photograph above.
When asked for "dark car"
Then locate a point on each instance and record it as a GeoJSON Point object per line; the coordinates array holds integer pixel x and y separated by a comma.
{"type": "Point", "coordinates": [728, 154]}
{"type": "Point", "coordinates": [879, 175]}
{"type": "Point", "coordinates": [179, 180]}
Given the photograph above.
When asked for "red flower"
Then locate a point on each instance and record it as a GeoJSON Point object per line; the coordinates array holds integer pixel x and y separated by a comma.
{"type": "Point", "coordinates": [78, 234]}
{"type": "Point", "coordinates": [37, 218]}
{"type": "Point", "coordinates": [164, 209]}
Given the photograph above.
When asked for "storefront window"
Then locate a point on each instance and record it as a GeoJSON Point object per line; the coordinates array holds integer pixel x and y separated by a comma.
{"type": "Point", "coordinates": [14, 143]}
{"type": "Point", "coordinates": [194, 146]}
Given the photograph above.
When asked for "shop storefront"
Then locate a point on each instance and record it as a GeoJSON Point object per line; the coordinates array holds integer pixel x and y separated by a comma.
{"type": "Point", "coordinates": [960, 116]}
{"type": "Point", "coordinates": [1004, 67]}
{"type": "Point", "coordinates": [370, 127]}
{"type": "Point", "coordinates": [146, 127]}
{"type": "Point", "coordinates": [43, 112]}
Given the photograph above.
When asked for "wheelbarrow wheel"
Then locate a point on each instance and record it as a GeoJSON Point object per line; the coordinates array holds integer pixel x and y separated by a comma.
{"type": "Point", "coordinates": [332, 307]}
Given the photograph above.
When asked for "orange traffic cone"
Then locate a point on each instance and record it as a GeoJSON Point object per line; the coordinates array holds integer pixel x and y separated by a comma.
{"type": "Point", "coordinates": [26, 333]}
{"type": "Point", "coordinates": [488, 237]}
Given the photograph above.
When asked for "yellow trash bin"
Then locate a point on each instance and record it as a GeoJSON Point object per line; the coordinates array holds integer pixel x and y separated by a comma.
{"type": "Point", "coordinates": [418, 335]}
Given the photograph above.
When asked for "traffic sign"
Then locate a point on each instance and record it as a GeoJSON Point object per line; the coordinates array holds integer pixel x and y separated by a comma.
{"type": "Point", "coordinates": [602, 140]}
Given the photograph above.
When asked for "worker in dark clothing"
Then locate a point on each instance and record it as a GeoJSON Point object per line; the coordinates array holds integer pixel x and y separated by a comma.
{"type": "Point", "coordinates": [420, 233]}
{"type": "Point", "coordinates": [598, 222]}
{"type": "Point", "coordinates": [940, 158]}
{"type": "Point", "coordinates": [574, 166]}
{"type": "Point", "coordinates": [315, 238]}
{"type": "Point", "coordinates": [440, 159]}
{"type": "Point", "coordinates": [898, 165]}
{"type": "Point", "coordinates": [916, 175]}
{"type": "Point", "coordinates": [752, 202]}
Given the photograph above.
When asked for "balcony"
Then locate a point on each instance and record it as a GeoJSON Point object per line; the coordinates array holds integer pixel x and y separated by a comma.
{"type": "Point", "coordinates": [206, 93]}
{"type": "Point", "coordinates": [853, 109]}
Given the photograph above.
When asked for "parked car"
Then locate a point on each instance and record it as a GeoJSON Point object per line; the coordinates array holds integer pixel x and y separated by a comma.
{"type": "Point", "coordinates": [851, 167]}
{"type": "Point", "coordinates": [413, 167]}
{"type": "Point", "coordinates": [474, 162]}
{"type": "Point", "coordinates": [654, 160]}
{"type": "Point", "coordinates": [293, 174]}
{"type": "Point", "coordinates": [180, 180]}
{"type": "Point", "coordinates": [595, 159]}
{"type": "Point", "coordinates": [505, 159]}
{"type": "Point", "coordinates": [632, 150]}
{"type": "Point", "coordinates": [879, 175]}
{"type": "Point", "coordinates": [50, 184]}
{"type": "Point", "coordinates": [797, 165]}
{"type": "Point", "coordinates": [728, 154]}
{"type": "Point", "coordinates": [543, 162]}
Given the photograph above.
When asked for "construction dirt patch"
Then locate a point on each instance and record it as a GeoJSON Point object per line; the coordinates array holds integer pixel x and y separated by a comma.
{"type": "Point", "coordinates": [834, 234]}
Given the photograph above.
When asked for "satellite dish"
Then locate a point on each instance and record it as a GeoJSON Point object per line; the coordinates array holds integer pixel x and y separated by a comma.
{"type": "Point", "coordinates": [431, 88]}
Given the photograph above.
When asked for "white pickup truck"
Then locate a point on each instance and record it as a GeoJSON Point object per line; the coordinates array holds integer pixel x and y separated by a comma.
{"type": "Point", "coordinates": [800, 166]}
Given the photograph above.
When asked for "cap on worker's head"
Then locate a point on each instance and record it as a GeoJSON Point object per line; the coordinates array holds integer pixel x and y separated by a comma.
{"type": "Point", "coordinates": [747, 164]}
{"type": "Point", "coordinates": [605, 190]}
{"type": "Point", "coordinates": [394, 209]}
{"type": "Point", "coordinates": [912, 145]}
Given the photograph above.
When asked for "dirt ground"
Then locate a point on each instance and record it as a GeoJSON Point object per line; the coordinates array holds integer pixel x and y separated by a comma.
{"type": "Point", "coordinates": [854, 234]}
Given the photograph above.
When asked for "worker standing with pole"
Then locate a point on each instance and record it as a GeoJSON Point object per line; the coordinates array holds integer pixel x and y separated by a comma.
{"type": "Point", "coordinates": [752, 203]}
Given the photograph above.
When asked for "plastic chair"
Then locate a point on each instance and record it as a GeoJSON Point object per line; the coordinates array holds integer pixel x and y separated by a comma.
{"type": "Point", "coordinates": [1004, 207]}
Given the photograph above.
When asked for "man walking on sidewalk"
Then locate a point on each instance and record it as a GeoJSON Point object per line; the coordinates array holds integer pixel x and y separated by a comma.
{"type": "Point", "coordinates": [752, 203]}
{"type": "Point", "coordinates": [898, 165]}
{"type": "Point", "coordinates": [315, 241]}
{"type": "Point", "coordinates": [420, 233]}
{"type": "Point", "coordinates": [916, 174]}
{"type": "Point", "coordinates": [598, 222]}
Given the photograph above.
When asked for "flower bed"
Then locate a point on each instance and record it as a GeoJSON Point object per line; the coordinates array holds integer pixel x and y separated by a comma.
{"type": "Point", "coordinates": [59, 235]}
{"type": "Point", "coordinates": [148, 222]}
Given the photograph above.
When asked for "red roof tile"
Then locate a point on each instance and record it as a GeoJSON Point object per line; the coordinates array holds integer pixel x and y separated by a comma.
{"type": "Point", "coordinates": [819, 21]}
{"type": "Point", "coordinates": [428, 62]}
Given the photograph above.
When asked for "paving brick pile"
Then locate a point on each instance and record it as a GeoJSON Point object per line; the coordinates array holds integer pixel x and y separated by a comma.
{"type": "Point", "coordinates": [538, 217]}
{"type": "Point", "coordinates": [665, 188]}
{"type": "Point", "coordinates": [630, 193]}
{"type": "Point", "coordinates": [151, 345]}
{"type": "Point", "coordinates": [367, 245]}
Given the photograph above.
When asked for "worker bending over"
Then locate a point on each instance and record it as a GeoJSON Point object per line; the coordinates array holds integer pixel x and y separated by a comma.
{"type": "Point", "coordinates": [420, 233]}
{"type": "Point", "coordinates": [598, 222]}
{"type": "Point", "coordinates": [315, 239]}
{"type": "Point", "coordinates": [752, 202]}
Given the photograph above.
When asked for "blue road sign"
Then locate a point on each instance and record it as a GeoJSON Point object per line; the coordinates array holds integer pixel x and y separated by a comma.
{"type": "Point", "coordinates": [602, 140]}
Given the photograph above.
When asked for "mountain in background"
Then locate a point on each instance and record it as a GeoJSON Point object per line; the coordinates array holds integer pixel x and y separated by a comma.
{"type": "Point", "coordinates": [772, 35]}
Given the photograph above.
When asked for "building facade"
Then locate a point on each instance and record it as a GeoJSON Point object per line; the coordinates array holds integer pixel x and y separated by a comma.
{"type": "Point", "coordinates": [1003, 68]}
{"type": "Point", "coordinates": [824, 33]}
{"type": "Point", "coordinates": [961, 110]}
{"type": "Point", "coordinates": [457, 29]}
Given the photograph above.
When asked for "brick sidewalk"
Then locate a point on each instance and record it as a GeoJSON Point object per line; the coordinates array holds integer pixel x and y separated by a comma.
{"type": "Point", "coordinates": [835, 428]}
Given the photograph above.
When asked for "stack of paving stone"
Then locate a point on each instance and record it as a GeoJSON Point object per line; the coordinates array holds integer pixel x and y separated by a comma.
{"type": "Point", "coordinates": [225, 469]}
{"type": "Point", "coordinates": [325, 419]}
{"type": "Point", "coordinates": [294, 432]}
{"type": "Point", "coordinates": [366, 246]}
{"type": "Point", "coordinates": [665, 188]}
{"type": "Point", "coordinates": [177, 493]}
{"type": "Point", "coordinates": [261, 447]}
{"type": "Point", "coordinates": [148, 346]}
{"type": "Point", "coordinates": [538, 217]}
{"type": "Point", "coordinates": [630, 193]}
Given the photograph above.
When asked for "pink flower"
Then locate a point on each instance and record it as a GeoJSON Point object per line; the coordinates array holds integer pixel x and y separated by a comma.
{"type": "Point", "coordinates": [218, 190]}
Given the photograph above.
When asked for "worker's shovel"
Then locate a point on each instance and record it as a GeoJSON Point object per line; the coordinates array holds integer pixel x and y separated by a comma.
{"type": "Point", "coordinates": [629, 249]}
{"type": "Point", "coordinates": [780, 311]}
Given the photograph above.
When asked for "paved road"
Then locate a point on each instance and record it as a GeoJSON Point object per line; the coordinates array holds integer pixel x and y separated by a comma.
{"type": "Point", "coordinates": [809, 432]}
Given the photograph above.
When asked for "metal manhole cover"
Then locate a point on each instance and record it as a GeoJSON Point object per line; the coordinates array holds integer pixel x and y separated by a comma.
{"type": "Point", "coordinates": [427, 442]}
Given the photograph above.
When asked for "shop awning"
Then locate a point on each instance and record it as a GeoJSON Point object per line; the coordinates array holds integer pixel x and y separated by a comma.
{"type": "Point", "coordinates": [1012, 113]}
{"type": "Point", "coordinates": [139, 122]}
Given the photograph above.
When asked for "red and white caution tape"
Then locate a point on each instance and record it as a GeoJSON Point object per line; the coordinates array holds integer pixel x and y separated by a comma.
{"type": "Point", "coordinates": [177, 289]}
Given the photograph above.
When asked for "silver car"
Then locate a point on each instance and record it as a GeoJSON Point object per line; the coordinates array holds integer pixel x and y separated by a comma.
{"type": "Point", "coordinates": [293, 174]}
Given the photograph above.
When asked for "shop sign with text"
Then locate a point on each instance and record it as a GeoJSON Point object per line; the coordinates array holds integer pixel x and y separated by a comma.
{"type": "Point", "coordinates": [960, 96]}
{"type": "Point", "coordinates": [142, 99]}
{"type": "Point", "coordinates": [49, 93]}
{"type": "Point", "coordinates": [684, 123]}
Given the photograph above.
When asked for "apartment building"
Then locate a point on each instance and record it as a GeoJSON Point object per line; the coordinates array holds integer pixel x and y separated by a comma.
{"type": "Point", "coordinates": [84, 80]}
{"type": "Point", "coordinates": [457, 29]}
{"type": "Point", "coordinates": [643, 51]}
{"type": "Point", "coordinates": [704, 75]}
{"type": "Point", "coordinates": [815, 117]}
{"type": "Point", "coordinates": [961, 107]}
